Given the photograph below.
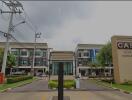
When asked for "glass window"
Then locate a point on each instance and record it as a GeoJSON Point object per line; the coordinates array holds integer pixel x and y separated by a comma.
{"type": "Point", "coordinates": [16, 53]}
{"type": "Point", "coordinates": [38, 53]}
{"type": "Point", "coordinates": [44, 63]}
{"type": "Point", "coordinates": [31, 52]}
{"type": "Point", "coordinates": [23, 53]}
{"type": "Point", "coordinates": [79, 54]}
{"type": "Point", "coordinates": [44, 54]}
{"type": "Point", "coordinates": [86, 54]}
{"type": "Point", "coordinates": [38, 62]}
{"type": "Point", "coordinates": [23, 61]}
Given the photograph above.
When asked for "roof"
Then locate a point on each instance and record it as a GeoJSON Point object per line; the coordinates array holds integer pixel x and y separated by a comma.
{"type": "Point", "coordinates": [89, 46]}
{"type": "Point", "coordinates": [62, 51]}
{"type": "Point", "coordinates": [62, 55]}
{"type": "Point", "coordinates": [24, 45]}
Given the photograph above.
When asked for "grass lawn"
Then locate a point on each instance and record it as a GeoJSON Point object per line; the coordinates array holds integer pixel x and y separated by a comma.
{"type": "Point", "coordinates": [5, 86]}
{"type": "Point", "coordinates": [126, 87]}
{"type": "Point", "coordinates": [67, 84]}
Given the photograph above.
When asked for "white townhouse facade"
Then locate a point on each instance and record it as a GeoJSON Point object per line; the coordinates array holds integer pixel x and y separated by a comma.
{"type": "Point", "coordinates": [24, 52]}
{"type": "Point", "coordinates": [85, 55]}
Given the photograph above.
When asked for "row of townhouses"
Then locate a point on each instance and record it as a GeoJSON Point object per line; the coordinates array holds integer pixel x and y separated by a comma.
{"type": "Point", "coordinates": [75, 62]}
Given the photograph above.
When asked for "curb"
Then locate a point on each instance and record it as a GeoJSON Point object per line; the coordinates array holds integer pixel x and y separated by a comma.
{"type": "Point", "coordinates": [116, 89]}
{"type": "Point", "coordinates": [6, 90]}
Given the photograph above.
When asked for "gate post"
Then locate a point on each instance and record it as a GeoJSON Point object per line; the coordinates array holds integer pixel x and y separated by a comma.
{"type": "Point", "coordinates": [60, 81]}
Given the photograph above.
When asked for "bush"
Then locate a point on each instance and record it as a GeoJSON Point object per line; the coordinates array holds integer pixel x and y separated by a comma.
{"type": "Point", "coordinates": [108, 80]}
{"type": "Point", "coordinates": [18, 79]}
{"type": "Point", "coordinates": [127, 83]}
{"type": "Point", "coordinates": [67, 84]}
{"type": "Point", "coordinates": [12, 76]}
{"type": "Point", "coordinates": [53, 84]}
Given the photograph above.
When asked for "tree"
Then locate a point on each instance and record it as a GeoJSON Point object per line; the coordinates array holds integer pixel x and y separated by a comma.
{"type": "Point", "coordinates": [1, 57]}
{"type": "Point", "coordinates": [105, 55]}
{"type": "Point", "coordinates": [11, 59]}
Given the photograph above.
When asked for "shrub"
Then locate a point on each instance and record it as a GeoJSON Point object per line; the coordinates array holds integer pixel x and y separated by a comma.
{"type": "Point", "coordinates": [18, 79]}
{"type": "Point", "coordinates": [67, 84]}
{"type": "Point", "coordinates": [12, 76]}
{"type": "Point", "coordinates": [53, 84]}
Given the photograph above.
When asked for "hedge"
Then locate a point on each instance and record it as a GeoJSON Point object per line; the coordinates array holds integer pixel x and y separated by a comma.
{"type": "Point", "coordinates": [18, 79]}
{"type": "Point", "coordinates": [67, 84]}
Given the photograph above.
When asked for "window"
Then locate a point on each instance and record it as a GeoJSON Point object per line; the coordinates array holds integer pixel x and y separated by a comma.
{"type": "Point", "coordinates": [38, 53]}
{"type": "Point", "coordinates": [86, 54]}
{"type": "Point", "coordinates": [24, 53]}
{"type": "Point", "coordinates": [23, 61]}
{"type": "Point", "coordinates": [96, 52]}
{"type": "Point", "coordinates": [44, 54]}
{"type": "Point", "coordinates": [16, 53]}
{"type": "Point", "coordinates": [80, 49]}
{"type": "Point", "coordinates": [44, 63]}
{"type": "Point", "coordinates": [31, 52]}
{"type": "Point", "coordinates": [38, 62]}
{"type": "Point", "coordinates": [79, 54]}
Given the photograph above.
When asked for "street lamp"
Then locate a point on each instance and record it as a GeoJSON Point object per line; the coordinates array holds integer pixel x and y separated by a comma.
{"type": "Point", "coordinates": [37, 35]}
{"type": "Point", "coordinates": [8, 36]}
{"type": "Point", "coordinates": [49, 59]}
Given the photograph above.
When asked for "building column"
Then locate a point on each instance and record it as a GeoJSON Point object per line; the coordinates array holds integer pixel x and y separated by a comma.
{"type": "Point", "coordinates": [73, 67]}
{"type": "Point", "coordinates": [94, 54]}
{"type": "Point", "coordinates": [52, 69]}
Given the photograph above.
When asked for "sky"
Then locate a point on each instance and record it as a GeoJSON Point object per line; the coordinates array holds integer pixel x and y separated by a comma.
{"type": "Point", "coordinates": [64, 24]}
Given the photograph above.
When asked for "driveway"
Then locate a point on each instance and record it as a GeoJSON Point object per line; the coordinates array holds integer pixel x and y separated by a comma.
{"type": "Point", "coordinates": [38, 85]}
{"type": "Point", "coordinates": [36, 91]}
{"type": "Point", "coordinates": [89, 85]}
{"type": "Point", "coordinates": [74, 95]}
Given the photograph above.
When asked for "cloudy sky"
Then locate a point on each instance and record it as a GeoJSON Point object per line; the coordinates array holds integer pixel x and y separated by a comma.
{"type": "Point", "coordinates": [64, 24]}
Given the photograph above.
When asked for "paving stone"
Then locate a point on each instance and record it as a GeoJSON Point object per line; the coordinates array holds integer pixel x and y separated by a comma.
{"type": "Point", "coordinates": [65, 98]}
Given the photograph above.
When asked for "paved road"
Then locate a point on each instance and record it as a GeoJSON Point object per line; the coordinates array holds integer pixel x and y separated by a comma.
{"type": "Point", "coordinates": [74, 95]}
{"type": "Point", "coordinates": [39, 85]}
{"type": "Point", "coordinates": [34, 91]}
{"type": "Point", "coordinates": [92, 86]}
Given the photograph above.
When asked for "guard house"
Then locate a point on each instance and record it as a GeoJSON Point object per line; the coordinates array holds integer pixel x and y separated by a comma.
{"type": "Point", "coordinates": [67, 57]}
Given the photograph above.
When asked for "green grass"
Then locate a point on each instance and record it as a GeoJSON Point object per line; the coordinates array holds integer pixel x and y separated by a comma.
{"type": "Point", "coordinates": [126, 87]}
{"type": "Point", "coordinates": [5, 86]}
{"type": "Point", "coordinates": [67, 84]}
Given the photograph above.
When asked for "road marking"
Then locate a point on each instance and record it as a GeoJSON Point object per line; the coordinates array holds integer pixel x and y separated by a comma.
{"type": "Point", "coordinates": [43, 98]}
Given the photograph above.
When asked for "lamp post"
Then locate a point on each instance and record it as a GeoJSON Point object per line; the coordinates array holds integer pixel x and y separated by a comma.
{"type": "Point", "coordinates": [8, 36]}
{"type": "Point", "coordinates": [37, 35]}
{"type": "Point", "coordinates": [49, 59]}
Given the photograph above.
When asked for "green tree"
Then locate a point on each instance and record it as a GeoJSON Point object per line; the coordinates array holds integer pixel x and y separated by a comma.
{"type": "Point", "coordinates": [11, 59]}
{"type": "Point", "coordinates": [105, 55]}
{"type": "Point", "coordinates": [1, 57]}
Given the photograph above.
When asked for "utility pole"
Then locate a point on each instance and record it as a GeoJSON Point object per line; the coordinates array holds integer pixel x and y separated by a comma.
{"type": "Point", "coordinates": [49, 61]}
{"type": "Point", "coordinates": [60, 81]}
{"type": "Point", "coordinates": [37, 35]}
{"type": "Point", "coordinates": [13, 6]}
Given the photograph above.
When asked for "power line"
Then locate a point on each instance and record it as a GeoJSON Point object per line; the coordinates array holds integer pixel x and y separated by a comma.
{"type": "Point", "coordinates": [14, 7]}
{"type": "Point", "coordinates": [31, 24]}
{"type": "Point", "coordinates": [11, 37]}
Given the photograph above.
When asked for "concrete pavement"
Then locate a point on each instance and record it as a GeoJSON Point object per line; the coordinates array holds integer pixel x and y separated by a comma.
{"type": "Point", "coordinates": [39, 85]}
{"type": "Point", "coordinates": [74, 95]}
{"type": "Point", "coordinates": [35, 91]}
{"type": "Point", "coordinates": [92, 86]}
